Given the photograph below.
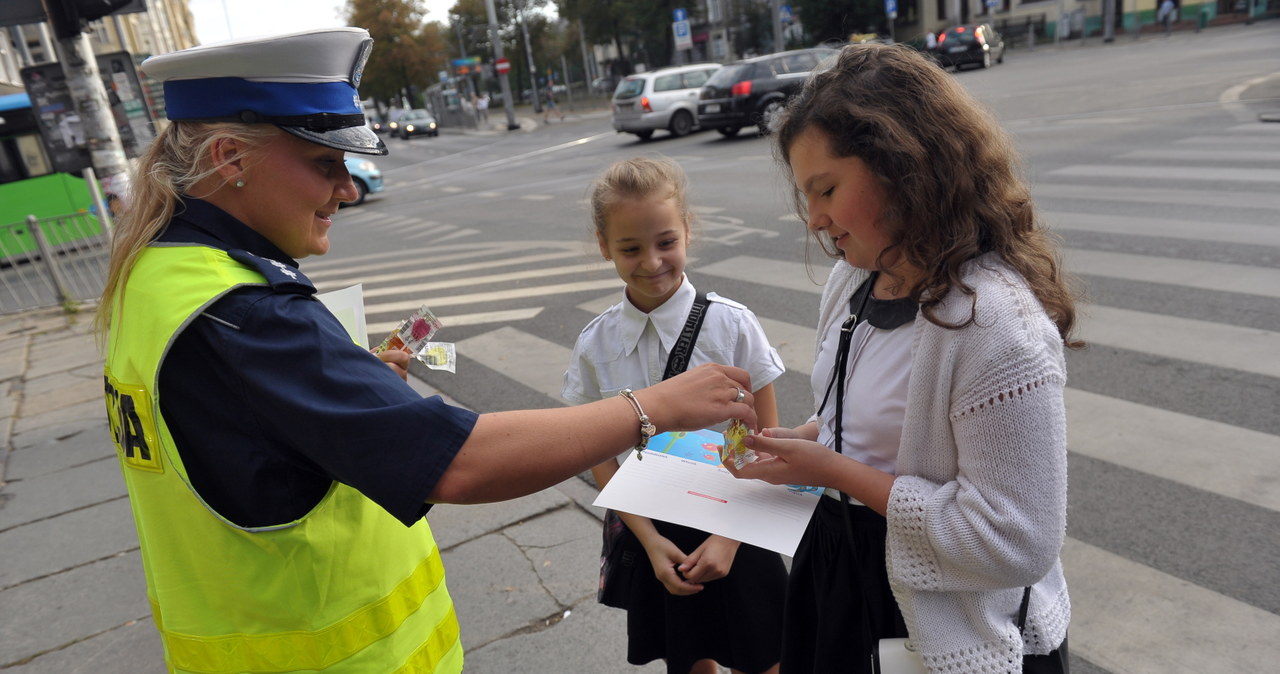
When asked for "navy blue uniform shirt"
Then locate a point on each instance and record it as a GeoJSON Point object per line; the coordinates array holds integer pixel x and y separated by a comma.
{"type": "Point", "coordinates": [270, 402]}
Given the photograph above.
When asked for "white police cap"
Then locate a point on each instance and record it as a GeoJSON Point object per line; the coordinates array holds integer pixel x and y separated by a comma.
{"type": "Point", "coordinates": [305, 83]}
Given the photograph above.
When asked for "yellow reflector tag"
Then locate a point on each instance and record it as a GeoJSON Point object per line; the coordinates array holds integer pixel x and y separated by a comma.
{"type": "Point", "coordinates": [133, 427]}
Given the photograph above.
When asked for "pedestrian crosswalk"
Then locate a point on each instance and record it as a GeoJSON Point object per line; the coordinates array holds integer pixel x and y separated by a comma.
{"type": "Point", "coordinates": [1134, 222]}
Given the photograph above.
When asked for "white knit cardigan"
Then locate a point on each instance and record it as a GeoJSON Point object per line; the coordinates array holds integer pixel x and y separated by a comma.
{"type": "Point", "coordinates": [979, 508]}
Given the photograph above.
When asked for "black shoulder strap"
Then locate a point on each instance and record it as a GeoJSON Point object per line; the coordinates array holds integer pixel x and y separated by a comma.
{"type": "Point", "coordinates": [1022, 610]}
{"type": "Point", "coordinates": [281, 277]}
{"type": "Point", "coordinates": [679, 358]}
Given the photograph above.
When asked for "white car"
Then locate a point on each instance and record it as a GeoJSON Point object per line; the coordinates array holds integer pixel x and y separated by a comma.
{"type": "Point", "coordinates": [661, 99]}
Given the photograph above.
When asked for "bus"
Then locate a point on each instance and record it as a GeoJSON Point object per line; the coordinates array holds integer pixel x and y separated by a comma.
{"type": "Point", "coordinates": [30, 187]}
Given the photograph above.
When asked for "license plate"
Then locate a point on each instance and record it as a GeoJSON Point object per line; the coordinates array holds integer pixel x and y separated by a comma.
{"type": "Point", "coordinates": [714, 107]}
{"type": "Point", "coordinates": [956, 50]}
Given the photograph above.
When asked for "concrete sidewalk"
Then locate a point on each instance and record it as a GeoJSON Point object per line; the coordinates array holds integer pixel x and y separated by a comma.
{"type": "Point", "coordinates": [522, 573]}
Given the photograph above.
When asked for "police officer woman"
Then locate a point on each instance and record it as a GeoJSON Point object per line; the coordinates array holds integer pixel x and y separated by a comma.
{"type": "Point", "coordinates": [278, 472]}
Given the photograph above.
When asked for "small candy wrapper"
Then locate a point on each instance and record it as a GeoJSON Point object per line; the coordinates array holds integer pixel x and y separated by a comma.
{"type": "Point", "coordinates": [413, 333]}
{"type": "Point", "coordinates": [733, 447]}
{"type": "Point", "coordinates": [439, 356]}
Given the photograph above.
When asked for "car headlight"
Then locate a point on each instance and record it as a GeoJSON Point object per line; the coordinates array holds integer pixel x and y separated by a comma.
{"type": "Point", "coordinates": [367, 166]}
{"type": "Point", "coordinates": [408, 127]}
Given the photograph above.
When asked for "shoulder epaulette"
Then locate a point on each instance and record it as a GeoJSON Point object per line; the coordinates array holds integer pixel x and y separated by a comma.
{"type": "Point", "coordinates": [280, 276]}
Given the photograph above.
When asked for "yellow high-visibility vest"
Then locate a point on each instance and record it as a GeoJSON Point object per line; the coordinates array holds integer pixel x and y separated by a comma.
{"type": "Point", "coordinates": [345, 588]}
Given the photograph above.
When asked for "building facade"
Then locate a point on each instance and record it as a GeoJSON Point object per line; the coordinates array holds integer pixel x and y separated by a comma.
{"type": "Point", "coordinates": [165, 26]}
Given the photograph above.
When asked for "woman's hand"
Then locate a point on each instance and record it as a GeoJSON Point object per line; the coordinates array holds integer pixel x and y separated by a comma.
{"type": "Point", "coordinates": [666, 557]}
{"type": "Point", "coordinates": [700, 398]}
{"type": "Point", "coordinates": [790, 456]}
{"type": "Point", "coordinates": [711, 561]}
{"type": "Point", "coordinates": [787, 456]}
{"type": "Point", "coordinates": [397, 360]}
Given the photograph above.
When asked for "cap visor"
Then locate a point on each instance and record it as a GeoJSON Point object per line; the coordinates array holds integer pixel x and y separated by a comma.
{"type": "Point", "coordinates": [358, 139]}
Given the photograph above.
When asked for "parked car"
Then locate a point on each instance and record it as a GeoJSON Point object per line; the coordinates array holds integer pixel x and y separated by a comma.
{"type": "Point", "coordinates": [976, 44]}
{"type": "Point", "coordinates": [604, 85]}
{"type": "Point", "coordinates": [661, 99]}
{"type": "Point", "coordinates": [366, 176]}
{"type": "Point", "coordinates": [416, 122]}
{"type": "Point", "coordinates": [751, 91]}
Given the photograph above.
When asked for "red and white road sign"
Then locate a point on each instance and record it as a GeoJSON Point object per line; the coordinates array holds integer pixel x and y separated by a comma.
{"type": "Point", "coordinates": [502, 66]}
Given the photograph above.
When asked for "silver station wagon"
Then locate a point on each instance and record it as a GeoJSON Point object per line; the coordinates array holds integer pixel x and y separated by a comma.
{"type": "Point", "coordinates": [661, 99]}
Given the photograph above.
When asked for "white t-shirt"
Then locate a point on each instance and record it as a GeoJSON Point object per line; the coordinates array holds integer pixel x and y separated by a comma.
{"type": "Point", "coordinates": [875, 398]}
{"type": "Point", "coordinates": [626, 348]}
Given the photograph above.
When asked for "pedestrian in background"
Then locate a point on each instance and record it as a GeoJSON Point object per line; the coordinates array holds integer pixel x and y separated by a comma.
{"type": "Point", "coordinates": [1165, 15]}
{"type": "Point", "coordinates": [940, 427]}
{"type": "Point", "coordinates": [279, 474]}
{"type": "Point", "coordinates": [549, 94]}
{"type": "Point", "coordinates": [642, 225]}
{"type": "Point", "coordinates": [482, 108]}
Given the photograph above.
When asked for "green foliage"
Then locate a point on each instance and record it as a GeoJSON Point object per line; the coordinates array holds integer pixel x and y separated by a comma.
{"type": "Point", "coordinates": [407, 53]}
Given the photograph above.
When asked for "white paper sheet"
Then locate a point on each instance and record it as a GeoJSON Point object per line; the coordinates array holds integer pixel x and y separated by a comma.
{"type": "Point", "coordinates": [674, 484]}
{"type": "Point", "coordinates": [348, 306]}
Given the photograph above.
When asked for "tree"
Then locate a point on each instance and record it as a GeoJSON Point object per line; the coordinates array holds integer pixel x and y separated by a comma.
{"type": "Point", "coordinates": [407, 53]}
{"type": "Point", "coordinates": [838, 19]}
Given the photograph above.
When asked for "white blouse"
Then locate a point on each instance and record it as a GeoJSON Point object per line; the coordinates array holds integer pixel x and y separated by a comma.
{"type": "Point", "coordinates": [627, 348]}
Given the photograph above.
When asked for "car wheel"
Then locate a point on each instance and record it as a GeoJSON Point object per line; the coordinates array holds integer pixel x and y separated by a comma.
{"type": "Point", "coordinates": [986, 59]}
{"type": "Point", "coordinates": [681, 123]}
{"type": "Point", "coordinates": [361, 191]}
{"type": "Point", "coordinates": [644, 135]}
{"type": "Point", "coordinates": [729, 131]}
{"type": "Point", "coordinates": [1000, 58]}
{"type": "Point", "coordinates": [767, 115]}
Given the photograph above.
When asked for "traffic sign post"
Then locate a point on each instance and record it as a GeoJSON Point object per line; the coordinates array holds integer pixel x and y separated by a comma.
{"type": "Point", "coordinates": [684, 39]}
{"type": "Point", "coordinates": [502, 66]}
{"type": "Point", "coordinates": [891, 12]}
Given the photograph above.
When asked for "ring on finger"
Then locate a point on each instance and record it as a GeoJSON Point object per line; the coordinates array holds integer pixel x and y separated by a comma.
{"type": "Point", "coordinates": [741, 396]}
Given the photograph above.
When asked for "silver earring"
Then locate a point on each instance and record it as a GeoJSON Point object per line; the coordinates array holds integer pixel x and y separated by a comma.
{"type": "Point", "coordinates": [239, 183]}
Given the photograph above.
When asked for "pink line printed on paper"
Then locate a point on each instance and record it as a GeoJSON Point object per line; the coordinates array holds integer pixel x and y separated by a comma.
{"type": "Point", "coordinates": [706, 496]}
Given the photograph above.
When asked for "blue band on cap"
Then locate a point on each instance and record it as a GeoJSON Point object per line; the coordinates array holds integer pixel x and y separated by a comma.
{"type": "Point", "coordinates": [221, 97]}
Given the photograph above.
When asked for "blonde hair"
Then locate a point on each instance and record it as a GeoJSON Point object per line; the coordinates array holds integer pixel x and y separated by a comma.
{"type": "Point", "coordinates": [639, 178]}
{"type": "Point", "coordinates": [177, 160]}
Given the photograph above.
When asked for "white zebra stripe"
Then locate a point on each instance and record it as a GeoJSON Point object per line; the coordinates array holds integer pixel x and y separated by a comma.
{"type": "Point", "coordinates": [1228, 278]}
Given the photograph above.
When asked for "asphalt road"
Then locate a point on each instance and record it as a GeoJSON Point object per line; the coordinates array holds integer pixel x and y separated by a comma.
{"type": "Point", "coordinates": [1148, 158]}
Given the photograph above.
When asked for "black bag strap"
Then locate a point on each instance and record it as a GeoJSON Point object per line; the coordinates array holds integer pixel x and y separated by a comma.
{"type": "Point", "coordinates": [678, 361]}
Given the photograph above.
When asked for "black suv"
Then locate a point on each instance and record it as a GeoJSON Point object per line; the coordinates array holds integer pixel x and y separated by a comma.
{"type": "Point", "coordinates": [977, 44]}
{"type": "Point", "coordinates": [751, 91]}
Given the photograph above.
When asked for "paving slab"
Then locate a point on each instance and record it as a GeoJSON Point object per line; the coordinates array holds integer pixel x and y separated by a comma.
{"type": "Point", "coordinates": [24, 501]}
{"type": "Point", "coordinates": [33, 419]}
{"type": "Point", "coordinates": [592, 638]}
{"type": "Point", "coordinates": [453, 525]}
{"type": "Point", "coordinates": [564, 548]}
{"type": "Point", "coordinates": [495, 589]}
{"type": "Point", "coordinates": [131, 648]}
{"type": "Point", "coordinates": [66, 541]}
{"type": "Point", "coordinates": [65, 385]}
{"type": "Point", "coordinates": [64, 608]}
{"type": "Point", "coordinates": [67, 354]}
{"type": "Point", "coordinates": [13, 356]}
{"type": "Point", "coordinates": [54, 448]}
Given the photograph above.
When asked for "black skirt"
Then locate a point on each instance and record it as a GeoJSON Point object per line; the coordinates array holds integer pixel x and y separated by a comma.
{"type": "Point", "coordinates": [736, 620]}
{"type": "Point", "coordinates": [827, 629]}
